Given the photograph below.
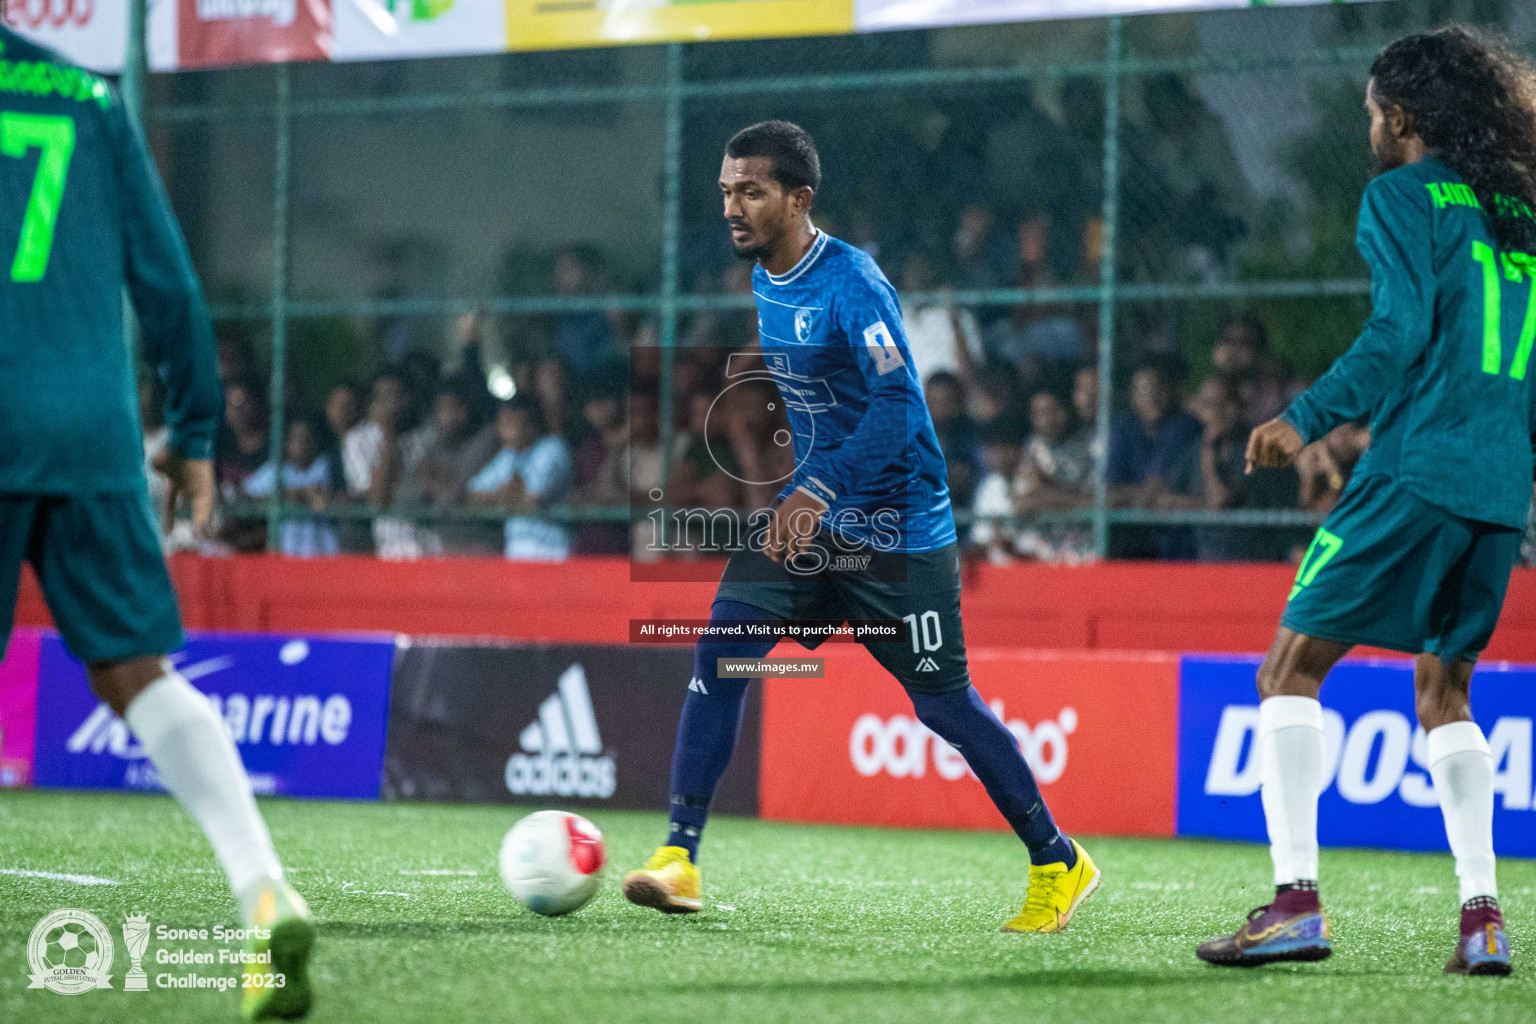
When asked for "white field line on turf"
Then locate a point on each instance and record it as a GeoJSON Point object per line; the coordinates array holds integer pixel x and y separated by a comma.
{"type": "Point", "coordinates": [219, 871]}
{"type": "Point", "coordinates": [346, 890]}
{"type": "Point", "coordinates": [58, 876]}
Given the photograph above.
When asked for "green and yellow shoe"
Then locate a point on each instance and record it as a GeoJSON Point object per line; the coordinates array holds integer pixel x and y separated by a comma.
{"type": "Point", "coordinates": [277, 980]}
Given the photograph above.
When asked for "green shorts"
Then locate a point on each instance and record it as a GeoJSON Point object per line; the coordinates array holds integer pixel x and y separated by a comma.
{"type": "Point", "coordinates": [98, 559]}
{"type": "Point", "coordinates": [1390, 570]}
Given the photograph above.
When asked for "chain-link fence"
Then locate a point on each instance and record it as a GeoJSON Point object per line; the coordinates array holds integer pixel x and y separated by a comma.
{"type": "Point", "coordinates": [1120, 243]}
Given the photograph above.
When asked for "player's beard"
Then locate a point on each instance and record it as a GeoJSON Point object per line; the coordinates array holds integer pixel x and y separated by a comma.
{"type": "Point", "coordinates": [751, 253]}
{"type": "Point", "coordinates": [1388, 156]}
{"type": "Point", "coordinates": [761, 248]}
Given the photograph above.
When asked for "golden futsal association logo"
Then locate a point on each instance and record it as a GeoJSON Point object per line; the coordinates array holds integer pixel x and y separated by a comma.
{"type": "Point", "coordinates": [70, 952]}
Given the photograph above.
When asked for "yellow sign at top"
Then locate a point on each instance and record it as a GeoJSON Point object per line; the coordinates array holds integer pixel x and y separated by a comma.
{"type": "Point", "coordinates": [562, 24]}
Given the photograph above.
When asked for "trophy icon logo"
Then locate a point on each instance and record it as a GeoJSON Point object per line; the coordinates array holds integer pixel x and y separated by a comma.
{"type": "Point", "coordinates": [136, 938]}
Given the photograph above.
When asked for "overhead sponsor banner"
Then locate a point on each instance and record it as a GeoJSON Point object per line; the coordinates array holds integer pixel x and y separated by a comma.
{"type": "Point", "coordinates": [1378, 790]}
{"type": "Point", "coordinates": [552, 725]}
{"type": "Point", "coordinates": [383, 29]}
{"type": "Point", "coordinates": [1098, 730]}
{"type": "Point", "coordinates": [541, 25]}
{"type": "Point", "coordinates": [93, 33]}
{"type": "Point", "coordinates": [212, 33]}
{"type": "Point", "coordinates": [306, 714]}
{"type": "Point", "coordinates": [884, 15]}
{"type": "Point", "coordinates": [18, 706]}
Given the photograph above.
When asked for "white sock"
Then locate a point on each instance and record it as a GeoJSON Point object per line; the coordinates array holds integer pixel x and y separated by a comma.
{"type": "Point", "coordinates": [1462, 766]}
{"type": "Point", "coordinates": [1291, 777]}
{"type": "Point", "coordinates": [197, 763]}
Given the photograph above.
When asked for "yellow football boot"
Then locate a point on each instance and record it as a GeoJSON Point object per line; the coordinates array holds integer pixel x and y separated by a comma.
{"type": "Point", "coordinates": [277, 963]}
{"type": "Point", "coordinates": [1055, 893]}
{"type": "Point", "coordinates": [669, 883]}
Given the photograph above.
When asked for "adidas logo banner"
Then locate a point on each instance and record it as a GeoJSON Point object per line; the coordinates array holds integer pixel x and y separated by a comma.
{"type": "Point", "coordinates": [562, 753]}
{"type": "Point", "coordinates": [550, 725]}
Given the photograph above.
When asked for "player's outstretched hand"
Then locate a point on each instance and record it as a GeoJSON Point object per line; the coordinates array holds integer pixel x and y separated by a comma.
{"type": "Point", "coordinates": [794, 525]}
{"type": "Point", "coordinates": [1273, 445]}
{"type": "Point", "coordinates": [190, 478]}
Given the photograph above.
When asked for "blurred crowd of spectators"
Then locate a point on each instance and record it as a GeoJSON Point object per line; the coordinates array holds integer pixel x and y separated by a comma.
{"type": "Point", "coordinates": [422, 459]}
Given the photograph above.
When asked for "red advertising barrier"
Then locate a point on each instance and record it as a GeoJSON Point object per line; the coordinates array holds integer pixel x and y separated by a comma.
{"type": "Point", "coordinates": [1139, 606]}
{"type": "Point", "coordinates": [1100, 730]}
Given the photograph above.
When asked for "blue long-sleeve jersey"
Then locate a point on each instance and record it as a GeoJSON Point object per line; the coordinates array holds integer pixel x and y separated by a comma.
{"type": "Point", "coordinates": [832, 337]}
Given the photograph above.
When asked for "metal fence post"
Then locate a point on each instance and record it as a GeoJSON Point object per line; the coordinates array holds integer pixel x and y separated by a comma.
{"type": "Point", "coordinates": [672, 185]}
{"type": "Point", "coordinates": [135, 60]}
{"type": "Point", "coordinates": [1107, 278]}
{"type": "Point", "coordinates": [131, 86]}
{"type": "Point", "coordinates": [284, 126]}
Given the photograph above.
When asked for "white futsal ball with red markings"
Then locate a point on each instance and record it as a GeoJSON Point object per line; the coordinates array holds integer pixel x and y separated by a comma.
{"type": "Point", "coordinates": [552, 861]}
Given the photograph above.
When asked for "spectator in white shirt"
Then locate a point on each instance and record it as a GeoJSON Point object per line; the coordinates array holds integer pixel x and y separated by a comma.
{"type": "Point", "coordinates": [528, 474]}
{"type": "Point", "coordinates": [370, 450]}
{"type": "Point", "coordinates": [306, 479]}
{"type": "Point", "coordinates": [940, 336]}
{"type": "Point", "coordinates": [343, 411]}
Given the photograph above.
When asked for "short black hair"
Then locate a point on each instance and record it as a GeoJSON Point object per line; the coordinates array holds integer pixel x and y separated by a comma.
{"type": "Point", "coordinates": [796, 164]}
{"type": "Point", "coordinates": [1009, 428]}
{"type": "Point", "coordinates": [389, 371]}
{"type": "Point", "coordinates": [524, 404]}
{"type": "Point", "coordinates": [310, 422]}
{"type": "Point", "coordinates": [1257, 329]}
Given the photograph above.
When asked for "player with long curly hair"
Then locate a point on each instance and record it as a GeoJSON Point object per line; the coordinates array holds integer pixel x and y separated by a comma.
{"type": "Point", "coordinates": [1472, 100]}
{"type": "Point", "coordinates": [1417, 554]}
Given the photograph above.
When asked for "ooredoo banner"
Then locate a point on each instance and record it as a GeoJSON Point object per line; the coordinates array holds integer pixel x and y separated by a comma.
{"type": "Point", "coordinates": [90, 32]}
{"type": "Point", "coordinates": [93, 33]}
{"type": "Point", "coordinates": [1378, 790]}
{"type": "Point", "coordinates": [576, 725]}
{"type": "Point", "coordinates": [212, 33]}
{"type": "Point", "coordinates": [1099, 731]}
{"type": "Point", "coordinates": [307, 715]}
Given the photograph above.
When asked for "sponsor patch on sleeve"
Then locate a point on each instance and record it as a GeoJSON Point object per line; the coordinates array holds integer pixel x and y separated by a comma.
{"type": "Point", "coordinates": [882, 348]}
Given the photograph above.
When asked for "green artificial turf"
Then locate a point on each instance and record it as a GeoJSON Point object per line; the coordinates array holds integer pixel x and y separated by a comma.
{"type": "Point", "coordinates": [804, 924]}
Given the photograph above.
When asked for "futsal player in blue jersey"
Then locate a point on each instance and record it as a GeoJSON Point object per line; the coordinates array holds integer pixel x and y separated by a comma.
{"type": "Point", "coordinates": [863, 528]}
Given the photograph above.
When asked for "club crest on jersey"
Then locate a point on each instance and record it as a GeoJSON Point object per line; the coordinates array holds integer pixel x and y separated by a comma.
{"type": "Point", "coordinates": [803, 325]}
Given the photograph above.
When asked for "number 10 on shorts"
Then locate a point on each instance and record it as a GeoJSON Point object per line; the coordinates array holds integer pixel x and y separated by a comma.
{"type": "Point", "coordinates": [926, 633]}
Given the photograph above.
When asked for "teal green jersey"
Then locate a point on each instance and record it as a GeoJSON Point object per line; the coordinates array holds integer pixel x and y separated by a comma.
{"type": "Point", "coordinates": [1441, 365]}
{"type": "Point", "coordinates": [83, 216]}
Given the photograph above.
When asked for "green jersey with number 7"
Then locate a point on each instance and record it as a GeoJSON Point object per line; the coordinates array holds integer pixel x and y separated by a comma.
{"type": "Point", "coordinates": [1443, 367]}
{"type": "Point", "coordinates": [82, 217]}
